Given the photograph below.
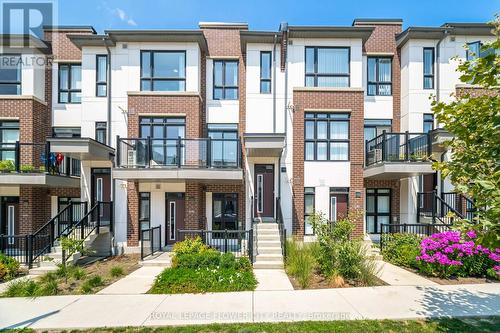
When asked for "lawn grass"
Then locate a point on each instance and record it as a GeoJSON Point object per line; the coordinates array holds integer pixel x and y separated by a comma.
{"type": "Point", "coordinates": [455, 325]}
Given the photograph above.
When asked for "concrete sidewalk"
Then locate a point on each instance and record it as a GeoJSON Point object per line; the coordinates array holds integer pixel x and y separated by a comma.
{"type": "Point", "coordinates": [272, 279]}
{"type": "Point", "coordinates": [387, 302]}
{"type": "Point", "coordinates": [397, 276]}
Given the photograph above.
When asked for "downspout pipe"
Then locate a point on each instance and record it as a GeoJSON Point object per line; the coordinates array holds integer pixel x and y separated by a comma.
{"type": "Point", "coordinates": [108, 141]}
{"type": "Point", "coordinates": [284, 39]}
{"type": "Point", "coordinates": [274, 82]}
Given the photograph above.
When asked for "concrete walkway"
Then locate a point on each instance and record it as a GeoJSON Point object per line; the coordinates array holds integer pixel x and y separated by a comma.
{"type": "Point", "coordinates": [397, 276]}
{"type": "Point", "coordinates": [387, 302]}
{"type": "Point", "coordinates": [272, 279]}
{"type": "Point", "coordinates": [141, 280]}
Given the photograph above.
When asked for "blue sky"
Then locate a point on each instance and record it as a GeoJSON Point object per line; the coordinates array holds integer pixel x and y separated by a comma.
{"type": "Point", "coordinates": [267, 14]}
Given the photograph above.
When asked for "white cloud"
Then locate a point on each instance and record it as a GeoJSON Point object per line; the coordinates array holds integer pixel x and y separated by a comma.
{"type": "Point", "coordinates": [123, 16]}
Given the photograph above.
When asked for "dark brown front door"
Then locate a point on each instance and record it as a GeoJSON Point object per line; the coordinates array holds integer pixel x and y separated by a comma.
{"type": "Point", "coordinates": [174, 221]}
{"type": "Point", "coordinates": [264, 190]}
{"type": "Point", "coordinates": [338, 206]}
{"type": "Point", "coordinates": [10, 216]}
{"type": "Point", "coordinates": [101, 190]}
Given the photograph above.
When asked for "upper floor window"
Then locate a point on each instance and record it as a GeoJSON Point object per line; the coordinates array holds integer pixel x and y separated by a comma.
{"type": "Point", "coordinates": [101, 81]}
{"type": "Point", "coordinates": [326, 136]}
{"type": "Point", "coordinates": [327, 67]}
{"type": "Point", "coordinates": [70, 83]}
{"type": "Point", "coordinates": [428, 124]}
{"type": "Point", "coordinates": [163, 71]}
{"type": "Point", "coordinates": [428, 67]}
{"type": "Point", "coordinates": [10, 74]}
{"type": "Point", "coordinates": [375, 127]}
{"type": "Point", "coordinates": [9, 134]}
{"type": "Point", "coordinates": [379, 76]}
{"type": "Point", "coordinates": [100, 131]}
{"type": "Point", "coordinates": [225, 79]}
{"type": "Point", "coordinates": [224, 144]}
{"type": "Point", "coordinates": [265, 72]}
{"type": "Point", "coordinates": [473, 50]}
{"type": "Point", "coordinates": [162, 127]}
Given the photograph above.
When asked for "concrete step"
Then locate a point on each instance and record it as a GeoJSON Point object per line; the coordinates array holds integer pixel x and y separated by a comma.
{"type": "Point", "coordinates": [268, 265]}
{"type": "Point", "coordinates": [268, 232]}
{"type": "Point", "coordinates": [268, 237]}
{"type": "Point", "coordinates": [268, 243]}
{"type": "Point", "coordinates": [268, 250]}
{"type": "Point", "coordinates": [270, 257]}
{"type": "Point", "coordinates": [266, 226]}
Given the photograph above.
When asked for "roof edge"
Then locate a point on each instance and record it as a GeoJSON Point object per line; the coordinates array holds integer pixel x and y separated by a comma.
{"type": "Point", "coordinates": [70, 28]}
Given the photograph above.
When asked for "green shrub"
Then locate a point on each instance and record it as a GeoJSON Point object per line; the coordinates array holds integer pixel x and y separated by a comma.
{"type": "Point", "coordinates": [207, 258]}
{"type": "Point", "coordinates": [22, 288]}
{"type": "Point", "coordinates": [78, 273]}
{"type": "Point", "coordinates": [190, 246]}
{"type": "Point", "coordinates": [401, 249]}
{"type": "Point", "coordinates": [300, 262]}
{"type": "Point", "coordinates": [7, 166]}
{"type": "Point", "coordinates": [27, 168]}
{"type": "Point", "coordinates": [9, 266]}
{"type": "Point", "coordinates": [188, 280]}
{"type": "Point", "coordinates": [116, 271]}
{"type": "Point", "coordinates": [92, 282]}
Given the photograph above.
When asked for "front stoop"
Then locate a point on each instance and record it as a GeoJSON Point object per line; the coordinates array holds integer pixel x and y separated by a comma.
{"type": "Point", "coordinates": [269, 252]}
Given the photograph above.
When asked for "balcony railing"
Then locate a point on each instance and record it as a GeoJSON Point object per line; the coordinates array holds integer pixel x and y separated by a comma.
{"type": "Point", "coordinates": [178, 153]}
{"type": "Point", "coordinates": [22, 157]}
{"type": "Point", "coordinates": [398, 147]}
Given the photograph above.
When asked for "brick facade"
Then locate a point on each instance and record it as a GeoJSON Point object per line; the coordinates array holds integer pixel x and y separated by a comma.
{"type": "Point", "coordinates": [351, 101]}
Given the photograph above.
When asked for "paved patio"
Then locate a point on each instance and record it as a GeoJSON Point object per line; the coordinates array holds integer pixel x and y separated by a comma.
{"type": "Point", "coordinates": [387, 302]}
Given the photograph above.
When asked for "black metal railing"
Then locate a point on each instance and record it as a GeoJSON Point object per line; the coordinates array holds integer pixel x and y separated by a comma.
{"type": "Point", "coordinates": [150, 241]}
{"type": "Point", "coordinates": [398, 147]}
{"type": "Point", "coordinates": [23, 157]}
{"type": "Point", "coordinates": [462, 204]}
{"type": "Point", "coordinates": [16, 247]}
{"type": "Point", "coordinates": [178, 153]}
{"type": "Point", "coordinates": [238, 242]}
{"type": "Point", "coordinates": [281, 226]}
{"type": "Point", "coordinates": [424, 229]}
{"type": "Point", "coordinates": [100, 215]}
{"type": "Point", "coordinates": [445, 208]}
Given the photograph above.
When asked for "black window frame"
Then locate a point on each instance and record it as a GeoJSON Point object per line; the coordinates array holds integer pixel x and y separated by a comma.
{"type": "Point", "coordinates": [223, 86]}
{"type": "Point", "coordinates": [97, 72]}
{"type": "Point", "coordinates": [224, 196]}
{"type": "Point", "coordinates": [152, 78]}
{"type": "Point", "coordinates": [315, 74]}
{"type": "Point", "coordinates": [433, 50]}
{"type": "Point", "coordinates": [20, 72]}
{"type": "Point", "coordinates": [375, 213]}
{"type": "Point", "coordinates": [377, 83]}
{"type": "Point", "coordinates": [70, 89]}
{"type": "Point", "coordinates": [223, 129]}
{"type": "Point", "coordinates": [468, 55]}
{"type": "Point", "coordinates": [372, 123]}
{"type": "Point", "coordinates": [144, 196]}
{"type": "Point", "coordinates": [309, 191]}
{"type": "Point", "coordinates": [330, 117]}
{"type": "Point", "coordinates": [101, 127]}
{"type": "Point", "coordinates": [4, 146]}
{"type": "Point", "coordinates": [427, 121]}
{"type": "Point", "coordinates": [165, 123]}
{"type": "Point", "coordinates": [262, 79]}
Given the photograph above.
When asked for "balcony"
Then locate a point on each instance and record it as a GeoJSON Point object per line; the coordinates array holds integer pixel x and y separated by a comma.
{"type": "Point", "coordinates": [35, 164]}
{"type": "Point", "coordinates": [202, 159]}
{"type": "Point", "coordinates": [398, 155]}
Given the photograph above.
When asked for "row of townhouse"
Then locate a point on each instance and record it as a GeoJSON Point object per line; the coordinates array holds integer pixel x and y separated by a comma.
{"type": "Point", "coordinates": [221, 127]}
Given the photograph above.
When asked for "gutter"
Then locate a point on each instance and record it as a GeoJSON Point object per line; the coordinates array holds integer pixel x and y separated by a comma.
{"type": "Point", "coordinates": [284, 39]}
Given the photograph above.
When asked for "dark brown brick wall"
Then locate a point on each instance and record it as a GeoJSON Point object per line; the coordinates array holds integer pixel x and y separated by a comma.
{"type": "Point", "coordinates": [62, 47]}
{"type": "Point", "coordinates": [191, 106]}
{"type": "Point", "coordinates": [132, 213]}
{"type": "Point", "coordinates": [321, 100]}
{"type": "Point", "coordinates": [34, 208]}
{"type": "Point", "coordinates": [383, 40]}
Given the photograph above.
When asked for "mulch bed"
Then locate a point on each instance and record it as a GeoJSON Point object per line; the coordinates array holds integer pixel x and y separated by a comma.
{"type": "Point", "coordinates": [318, 281]}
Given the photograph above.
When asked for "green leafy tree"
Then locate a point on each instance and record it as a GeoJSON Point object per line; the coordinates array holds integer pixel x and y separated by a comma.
{"type": "Point", "coordinates": [474, 120]}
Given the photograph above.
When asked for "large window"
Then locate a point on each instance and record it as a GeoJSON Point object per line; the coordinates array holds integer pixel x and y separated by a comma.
{"type": "Point", "coordinates": [378, 208]}
{"type": "Point", "coordinates": [101, 80]}
{"type": "Point", "coordinates": [428, 68]}
{"type": "Point", "coordinates": [144, 211]}
{"type": "Point", "coordinates": [9, 134]}
{"type": "Point", "coordinates": [224, 144]}
{"type": "Point", "coordinates": [327, 67]}
{"type": "Point", "coordinates": [163, 71]}
{"type": "Point", "coordinates": [308, 210]}
{"type": "Point", "coordinates": [379, 76]}
{"type": "Point", "coordinates": [164, 133]}
{"type": "Point", "coordinates": [100, 131]}
{"type": "Point", "coordinates": [225, 211]}
{"type": "Point", "coordinates": [375, 127]}
{"type": "Point", "coordinates": [10, 74]}
{"type": "Point", "coordinates": [473, 50]}
{"type": "Point", "coordinates": [225, 79]}
{"type": "Point", "coordinates": [70, 83]}
{"type": "Point", "coordinates": [265, 72]}
{"type": "Point", "coordinates": [428, 123]}
{"type": "Point", "coordinates": [326, 136]}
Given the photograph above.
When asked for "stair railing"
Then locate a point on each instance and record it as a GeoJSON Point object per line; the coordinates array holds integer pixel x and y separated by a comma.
{"type": "Point", "coordinates": [281, 226]}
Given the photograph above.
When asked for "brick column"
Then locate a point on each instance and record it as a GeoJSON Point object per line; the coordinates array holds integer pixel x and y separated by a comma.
{"type": "Point", "coordinates": [132, 213]}
{"type": "Point", "coordinates": [34, 208]}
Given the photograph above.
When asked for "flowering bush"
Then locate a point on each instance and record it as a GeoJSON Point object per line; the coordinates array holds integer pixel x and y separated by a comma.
{"type": "Point", "coordinates": [453, 253]}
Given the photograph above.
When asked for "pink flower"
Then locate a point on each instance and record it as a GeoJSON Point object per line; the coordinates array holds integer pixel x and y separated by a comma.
{"type": "Point", "coordinates": [471, 234]}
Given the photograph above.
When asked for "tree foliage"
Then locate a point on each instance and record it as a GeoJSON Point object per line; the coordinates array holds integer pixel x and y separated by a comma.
{"type": "Point", "coordinates": [474, 120]}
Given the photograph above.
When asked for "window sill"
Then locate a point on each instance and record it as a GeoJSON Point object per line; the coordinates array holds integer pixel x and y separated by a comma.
{"type": "Point", "coordinates": [23, 97]}
{"type": "Point", "coordinates": [329, 89]}
{"type": "Point", "coordinates": [163, 93]}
